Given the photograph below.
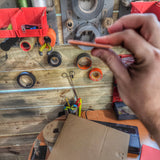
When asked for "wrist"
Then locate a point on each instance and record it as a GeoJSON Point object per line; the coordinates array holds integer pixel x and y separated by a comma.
{"type": "Point", "coordinates": [151, 120]}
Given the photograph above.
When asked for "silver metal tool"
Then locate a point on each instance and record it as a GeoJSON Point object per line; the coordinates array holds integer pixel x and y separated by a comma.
{"type": "Point", "coordinates": [70, 77]}
{"type": "Point", "coordinates": [36, 149]}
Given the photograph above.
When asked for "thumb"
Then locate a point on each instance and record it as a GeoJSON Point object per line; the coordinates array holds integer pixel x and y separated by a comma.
{"type": "Point", "coordinates": [114, 63]}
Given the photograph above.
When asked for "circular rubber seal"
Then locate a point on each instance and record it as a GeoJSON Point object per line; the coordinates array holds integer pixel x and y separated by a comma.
{"type": "Point", "coordinates": [86, 32]}
{"type": "Point", "coordinates": [26, 80]}
{"type": "Point", "coordinates": [55, 59]}
{"type": "Point", "coordinates": [96, 74]}
{"type": "Point", "coordinates": [84, 61]}
{"type": "Point", "coordinates": [87, 9]}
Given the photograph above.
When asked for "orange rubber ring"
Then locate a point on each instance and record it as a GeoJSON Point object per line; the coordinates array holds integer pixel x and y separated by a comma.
{"type": "Point", "coordinates": [86, 57]}
{"type": "Point", "coordinates": [87, 66]}
{"type": "Point", "coordinates": [52, 35]}
{"type": "Point", "coordinates": [96, 74]}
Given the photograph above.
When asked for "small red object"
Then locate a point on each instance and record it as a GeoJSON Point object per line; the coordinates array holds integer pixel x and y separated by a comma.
{"type": "Point", "coordinates": [146, 7]}
{"type": "Point", "coordinates": [116, 97]}
{"type": "Point", "coordinates": [5, 20]}
{"type": "Point", "coordinates": [96, 74]}
{"type": "Point", "coordinates": [127, 60]}
{"type": "Point", "coordinates": [78, 102]}
{"type": "Point", "coordinates": [149, 153]}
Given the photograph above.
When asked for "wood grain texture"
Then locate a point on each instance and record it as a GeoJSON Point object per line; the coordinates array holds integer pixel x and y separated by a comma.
{"type": "Point", "coordinates": [19, 60]}
{"type": "Point", "coordinates": [24, 113]}
{"type": "Point", "coordinates": [99, 95]}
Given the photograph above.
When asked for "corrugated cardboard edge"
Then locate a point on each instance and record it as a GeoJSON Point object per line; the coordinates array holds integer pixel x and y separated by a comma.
{"type": "Point", "coordinates": [104, 146]}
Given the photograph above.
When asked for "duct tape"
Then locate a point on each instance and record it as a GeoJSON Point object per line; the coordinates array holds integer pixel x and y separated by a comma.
{"type": "Point", "coordinates": [87, 9]}
{"type": "Point", "coordinates": [96, 74]}
{"type": "Point", "coordinates": [52, 130]}
{"type": "Point", "coordinates": [84, 61]}
{"type": "Point", "coordinates": [55, 59]}
{"type": "Point", "coordinates": [86, 32]}
{"type": "Point", "coordinates": [26, 80]}
{"type": "Point", "coordinates": [27, 44]}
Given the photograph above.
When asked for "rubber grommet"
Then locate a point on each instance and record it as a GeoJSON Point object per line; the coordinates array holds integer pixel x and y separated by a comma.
{"type": "Point", "coordinates": [96, 74]}
{"type": "Point", "coordinates": [51, 34]}
{"type": "Point", "coordinates": [55, 59]}
{"type": "Point", "coordinates": [84, 61]}
{"type": "Point", "coordinates": [29, 81]}
{"type": "Point", "coordinates": [87, 15]}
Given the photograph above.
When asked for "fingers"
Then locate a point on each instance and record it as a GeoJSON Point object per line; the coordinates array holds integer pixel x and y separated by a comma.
{"type": "Point", "coordinates": [113, 62]}
{"type": "Point", "coordinates": [134, 21]}
{"type": "Point", "coordinates": [132, 41]}
{"type": "Point", "coordinates": [147, 25]}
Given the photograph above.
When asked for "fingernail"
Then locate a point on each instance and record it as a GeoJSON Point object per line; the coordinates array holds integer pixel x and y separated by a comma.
{"type": "Point", "coordinates": [109, 29]}
{"type": "Point", "coordinates": [97, 38]}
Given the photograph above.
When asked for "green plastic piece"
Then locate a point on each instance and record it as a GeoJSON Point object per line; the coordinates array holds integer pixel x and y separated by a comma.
{"type": "Point", "coordinates": [22, 3]}
{"type": "Point", "coordinates": [9, 27]}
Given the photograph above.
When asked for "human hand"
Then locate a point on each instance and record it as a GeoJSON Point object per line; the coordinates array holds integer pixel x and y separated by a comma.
{"type": "Point", "coordinates": [139, 84]}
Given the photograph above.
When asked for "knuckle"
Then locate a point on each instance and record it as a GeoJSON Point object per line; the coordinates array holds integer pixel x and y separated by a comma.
{"type": "Point", "coordinates": [157, 54]}
{"type": "Point", "coordinates": [129, 33]}
{"type": "Point", "coordinates": [151, 17]}
{"type": "Point", "coordinates": [110, 58]}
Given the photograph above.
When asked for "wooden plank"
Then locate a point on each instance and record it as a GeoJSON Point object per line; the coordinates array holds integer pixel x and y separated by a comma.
{"type": "Point", "coordinates": [45, 113]}
{"type": "Point", "coordinates": [30, 114]}
{"type": "Point", "coordinates": [116, 4]}
{"type": "Point", "coordinates": [60, 32]}
{"type": "Point", "coordinates": [15, 153]}
{"type": "Point", "coordinates": [17, 57]}
{"type": "Point", "coordinates": [53, 79]}
{"type": "Point", "coordinates": [18, 129]}
{"type": "Point", "coordinates": [16, 147]}
{"type": "Point", "coordinates": [55, 97]}
{"type": "Point", "coordinates": [13, 141]}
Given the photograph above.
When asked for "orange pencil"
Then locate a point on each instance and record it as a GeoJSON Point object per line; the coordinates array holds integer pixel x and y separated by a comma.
{"type": "Point", "coordinates": [89, 44]}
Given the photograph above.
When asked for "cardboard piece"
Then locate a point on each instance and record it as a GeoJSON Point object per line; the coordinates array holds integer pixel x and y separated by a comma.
{"type": "Point", "coordinates": [81, 139]}
{"type": "Point", "coordinates": [149, 153]}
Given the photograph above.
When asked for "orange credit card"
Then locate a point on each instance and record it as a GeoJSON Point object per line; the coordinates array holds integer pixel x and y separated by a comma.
{"type": "Point", "coordinates": [89, 44]}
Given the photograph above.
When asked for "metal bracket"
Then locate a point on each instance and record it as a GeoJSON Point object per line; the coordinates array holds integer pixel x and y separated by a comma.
{"type": "Point", "coordinates": [102, 11]}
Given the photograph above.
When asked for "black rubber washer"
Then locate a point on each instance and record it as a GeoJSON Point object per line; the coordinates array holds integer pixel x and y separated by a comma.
{"type": "Point", "coordinates": [55, 59]}
{"type": "Point", "coordinates": [87, 16]}
{"type": "Point", "coordinates": [30, 75]}
{"type": "Point", "coordinates": [81, 56]}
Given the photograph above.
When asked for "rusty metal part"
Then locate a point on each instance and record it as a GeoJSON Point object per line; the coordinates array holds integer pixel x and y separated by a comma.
{"type": "Point", "coordinates": [70, 24]}
{"type": "Point", "coordinates": [107, 22]}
